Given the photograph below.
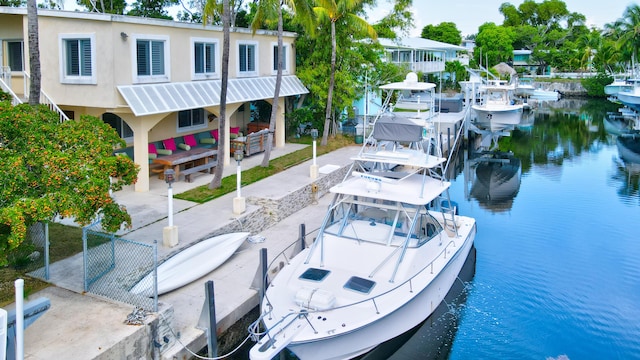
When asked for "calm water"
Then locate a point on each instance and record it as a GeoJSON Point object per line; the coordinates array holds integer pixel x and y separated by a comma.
{"type": "Point", "coordinates": [557, 265]}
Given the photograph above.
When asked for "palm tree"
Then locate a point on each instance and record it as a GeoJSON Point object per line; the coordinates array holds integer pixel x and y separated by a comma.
{"type": "Point", "coordinates": [266, 10]}
{"type": "Point", "coordinates": [222, 135]}
{"type": "Point", "coordinates": [34, 52]}
{"type": "Point", "coordinates": [344, 11]}
{"type": "Point", "coordinates": [629, 30]}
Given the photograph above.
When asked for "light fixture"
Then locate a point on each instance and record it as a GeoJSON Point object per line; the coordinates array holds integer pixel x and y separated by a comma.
{"type": "Point", "coordinates": [238, 155]}
{"type": "Point", "coordinates": [124, 35]}
{"type": "Point", "coordinates": [169, 176]}
{"type": "Point", "coordinates": [314, 133]}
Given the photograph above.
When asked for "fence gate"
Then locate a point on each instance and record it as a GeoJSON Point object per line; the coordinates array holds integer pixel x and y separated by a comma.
{"type": "Point", "coordinates": [113, 265]}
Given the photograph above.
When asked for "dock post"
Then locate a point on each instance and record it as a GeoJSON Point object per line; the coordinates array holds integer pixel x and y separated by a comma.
{"type": "Point", "coordinates": [212, 339]}
{"type": "Point", "coordinates": [302, 236]}
{"type": "Point", "coordinates": [448, 141]}
{"type": "Point", "coordinates": [263, 265]}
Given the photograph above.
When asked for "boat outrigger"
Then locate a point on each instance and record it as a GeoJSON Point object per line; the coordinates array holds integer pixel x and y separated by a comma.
{"type": "Point", "coordinates": [390, 247]}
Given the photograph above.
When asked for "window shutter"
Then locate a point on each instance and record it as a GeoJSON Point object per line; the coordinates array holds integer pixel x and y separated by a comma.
{"type": "Point", "coordinates": [143, 58]}
{"type": "Point", "coordinates": [243, 57]}
{"type": "Point", "coordinates": [157, 57]}
{"type": "Point", "coordinates": [251, 61]}
{"type": "Point", "coordinates": [73, 65]}
{"type": "Point", "coordinates": [210, 58]}
{"type": "Point", "coordinates": [198, 56]}
{"type": "Point", "coordinates": [85, 45]}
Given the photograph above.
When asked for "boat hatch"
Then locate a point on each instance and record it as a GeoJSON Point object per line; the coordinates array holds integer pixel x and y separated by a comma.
{"type": "Point", "coordinates": [314, 274]}
{"type": "Point", "coordinates": [359, 284]}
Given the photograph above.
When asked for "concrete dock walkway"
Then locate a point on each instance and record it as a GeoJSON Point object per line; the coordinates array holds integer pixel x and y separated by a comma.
{"type": "Point", "coordinates": [85, 326]}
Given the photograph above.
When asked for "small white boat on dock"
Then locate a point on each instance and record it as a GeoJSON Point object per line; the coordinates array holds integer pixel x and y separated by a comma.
{"type": "Point", "coordinates": [497, 110]}
{"type": "Point", "coordinates": [191, 264]}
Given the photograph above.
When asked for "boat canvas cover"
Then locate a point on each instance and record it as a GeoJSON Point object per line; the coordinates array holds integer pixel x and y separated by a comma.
{"type": "Point", "coordinates": [396, 128]}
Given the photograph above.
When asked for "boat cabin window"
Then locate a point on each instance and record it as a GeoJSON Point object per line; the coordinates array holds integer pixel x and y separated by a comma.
{"type": "Point", "coordinates": [359, 284]}
{"type": "Point", "coordinates": [383, 222]}
{"type": "Point", "coordinates": [314, 274]}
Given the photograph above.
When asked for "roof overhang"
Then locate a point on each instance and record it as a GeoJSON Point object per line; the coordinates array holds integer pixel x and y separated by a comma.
{"type": "Point", "coordinates": [149, 99]}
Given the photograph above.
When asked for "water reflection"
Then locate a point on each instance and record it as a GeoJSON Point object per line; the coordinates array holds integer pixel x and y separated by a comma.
{"type": "Point", "coordinates": [496, 180]}
{"type": "Point", "coordinates": [628, 167]}
{"type": "Point", "coordinates": [433, 338]}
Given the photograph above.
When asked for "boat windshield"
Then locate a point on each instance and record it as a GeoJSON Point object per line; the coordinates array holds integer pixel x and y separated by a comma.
{"type": "Point", "coordinates": [385, 222]}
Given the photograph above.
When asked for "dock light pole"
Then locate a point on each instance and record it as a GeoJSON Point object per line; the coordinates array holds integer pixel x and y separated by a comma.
{"type": "Point", "coordinates": [170, 232]}
{"type": "Point", "coordinates": [239, 205]}
{"type": "Point", "coordinates": [313, 171]}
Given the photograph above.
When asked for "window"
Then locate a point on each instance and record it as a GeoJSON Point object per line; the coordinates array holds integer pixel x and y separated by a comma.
{"type": "Point", "coordinates": [191, 119]}
{"type": "Point", "coordinates": [15, 51]}
{"type": "Point", "coordinates": [204, 58]}
{"type": "Point", "coordinates": [122, 128]}
{"type": "Point", "coordinates": [152, 59]}
{"type": "Point", "coordinates": [77, 59]}
{"type": "Point", "coordinates": [247, 55]}
{"type": "Point", "coordinates": [284, 58]}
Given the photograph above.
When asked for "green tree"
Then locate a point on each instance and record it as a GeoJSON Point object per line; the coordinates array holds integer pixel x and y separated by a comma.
{"type": "Point", "coordinates": [446, 32]}
{"type": "Point", "coordinates": [400, 20]}
{"type": "Point", "coordinates": [548, 28]}
{"type": "Point", "coordinates": [266, 11]}
{"type": "Point", "coordinates": [345, 13]}
{"type": "Point", "coordinates": [627, 30]}
{"type": "Point", "coordinates": [57, 169]}
{"type": "Point", "coordinates": [12, 3]}
{"type": "Point", "coordinates": [152, 8]}
{"type": "Point", "coordinates": [493, 44]}
{"type": "Point", "coordinates": [104, 6]}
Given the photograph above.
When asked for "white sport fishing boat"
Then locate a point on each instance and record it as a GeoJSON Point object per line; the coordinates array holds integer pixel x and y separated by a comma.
{"type": "Point", "coordinates": [497, 111]}
{"type": "Point", "coordinates": [390, 247]}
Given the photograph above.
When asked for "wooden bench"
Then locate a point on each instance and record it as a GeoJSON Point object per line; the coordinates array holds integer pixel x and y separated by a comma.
{"type": "Point", "coordinates": [198, 168]}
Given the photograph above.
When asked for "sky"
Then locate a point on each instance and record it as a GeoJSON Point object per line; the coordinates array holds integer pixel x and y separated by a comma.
{"type": "Point", "coordinates": [468, 15]}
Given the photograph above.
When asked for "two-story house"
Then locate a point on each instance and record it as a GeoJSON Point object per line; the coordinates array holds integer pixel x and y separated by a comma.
{"type": "Point", "coordinates": [150, 79]}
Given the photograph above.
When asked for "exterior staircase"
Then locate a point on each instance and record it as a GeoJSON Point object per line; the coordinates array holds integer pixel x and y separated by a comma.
{"type": "Point", "coordinates": [5, 85]}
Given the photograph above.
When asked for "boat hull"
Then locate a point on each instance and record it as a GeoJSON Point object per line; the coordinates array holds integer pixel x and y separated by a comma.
{"type": "Point", "coordinates": [191, 264]}
{"type": "Point", "coordinates": [412, 313]}
{"type": "Point", "coordinates": [497, 119]}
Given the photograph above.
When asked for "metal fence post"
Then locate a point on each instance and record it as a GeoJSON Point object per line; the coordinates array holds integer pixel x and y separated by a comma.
{"type": "Point", "coordinates": [155, 275]}
{"type": "Point", "coordinates": [212, 339]}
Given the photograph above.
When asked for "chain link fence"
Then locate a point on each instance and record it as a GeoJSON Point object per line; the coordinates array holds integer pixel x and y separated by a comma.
{"type": "Point", "coordinates": [38, 257]}
{"type": "Point", "coordinates": [113, 265]}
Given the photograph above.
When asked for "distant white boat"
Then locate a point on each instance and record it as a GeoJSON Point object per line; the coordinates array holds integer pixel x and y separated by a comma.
{"type": "Point", "coordinates": [631, 98]}
{"type": "Point", "coordinates": [618, 85]}
{"type": "Point", "coordinates": [539, 94]}
{"type": "Point", "coordinates": [498, 110]}
{"type": "Point", "coordinates": [191, 263]}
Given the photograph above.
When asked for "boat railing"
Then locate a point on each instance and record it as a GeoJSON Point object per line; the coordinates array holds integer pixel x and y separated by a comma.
{"type": "Point", "coordinates": [430, 267]}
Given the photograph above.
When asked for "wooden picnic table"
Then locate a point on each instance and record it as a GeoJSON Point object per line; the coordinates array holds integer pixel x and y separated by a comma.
{"type": "Point", "coordinates": [191, 157]}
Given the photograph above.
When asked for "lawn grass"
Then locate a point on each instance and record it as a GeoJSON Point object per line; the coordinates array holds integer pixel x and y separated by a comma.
{"type": "Point", "coordinates": [202, 194]}
{"type": "Point", "coordinates": [66, 241]}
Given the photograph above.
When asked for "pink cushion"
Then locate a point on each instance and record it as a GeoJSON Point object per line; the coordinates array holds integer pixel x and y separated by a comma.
{"type": "Point", "coordinates": [214, 133]}
{"type": "Point", "coordinates": [190, 140]}
{"type": "Point", "coordinates": [234, 130]}
{"type": "Point", "coordinates": [169, 144]}
{"type": "Point", "coordinates": [152, 149]}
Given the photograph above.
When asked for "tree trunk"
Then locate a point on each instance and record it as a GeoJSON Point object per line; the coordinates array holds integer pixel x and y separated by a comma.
{"type": "Point", "coordinates": [276, 95]}
{"type": "Point", "coordinates": [332, 77]}
{"type": "Point", "coordinates": [34, 53]}
{"type": "Point", "coordinates": [222, 123]}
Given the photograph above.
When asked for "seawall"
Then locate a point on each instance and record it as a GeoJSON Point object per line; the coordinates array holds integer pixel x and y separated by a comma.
{"type": "Point", "coordinates": [565, 88]}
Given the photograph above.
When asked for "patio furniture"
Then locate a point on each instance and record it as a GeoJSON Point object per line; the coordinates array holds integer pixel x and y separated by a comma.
{"type": "Point", "coordinates": [252, 143]}
{"type": "Point", "coordinates": [189, 159]}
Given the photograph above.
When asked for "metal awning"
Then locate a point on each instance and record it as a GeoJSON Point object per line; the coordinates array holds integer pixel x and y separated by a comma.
{"type": "Point", "coordinates": [169, 97]}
